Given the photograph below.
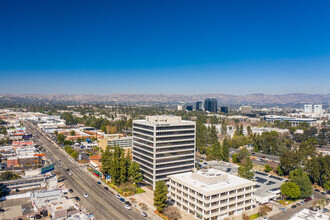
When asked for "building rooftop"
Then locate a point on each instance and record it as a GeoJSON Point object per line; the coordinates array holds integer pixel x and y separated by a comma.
{"type": "Point", "coordinates": [209, 180]}
{"type": "Point", "coordinates": [164, 120]}
{"type": "Point", "coordinates": [306, 214]}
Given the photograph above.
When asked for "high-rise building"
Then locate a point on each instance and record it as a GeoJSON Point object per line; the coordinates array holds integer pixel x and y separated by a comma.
{"type": "Point", "coordinates": [163, 145]}
{"type": "Point", "coordinates": [211, 105]}
{"type": "Point", "coordinates": [199, 106]}
{"type": "Point", "coordinates": [224, 109]}
{"type": "Point", "coordinates": [318, 109]}
{"type": "Point", "coordinates": [189, 108]}
{"type": "Point", "coordinates": [308, 109]}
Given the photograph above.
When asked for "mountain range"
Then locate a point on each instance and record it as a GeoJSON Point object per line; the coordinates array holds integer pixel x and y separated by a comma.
{"type": "Point", "coordinates": [253, 99]}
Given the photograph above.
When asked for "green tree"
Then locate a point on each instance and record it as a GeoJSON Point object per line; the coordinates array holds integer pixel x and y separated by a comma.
{"type": "Point", "coordinates": [223, 127]}
{"type": "Point", "coordinates": [280, 171]}
{"type": "Point", "coordinates": [289, 161]}
{"type": "Point", "coordinates": [216, 150]}
{"type": "Point", "coordinates": [9, 176]}
{"type": "Point", "coordinates": [123, 170]}
{"type": "Point", "coordinates": [106, 161]}
{"type": "Point", "coordinates": [238, 141]}
{"type": "Point", "coordinates": [301, 178]}
{"type": "Point", "coordinates": [56, 133]}
{"type": "Point", "coordinates": [75, 154]}
{"type": "Point", "coordinates": [234, 158]}
{"type": "Point", "coordinates": [326, 185]}
{"type": "Point", "coordinates": [135, 172]}
{"type": "Point", "coordinates": [268, 168]}
{"type": "Point", "coordinates": [290, 190]}
{"type": "Point", "coordinates": [213, 135]}
{"type": "Point", "coordinates": [73, 133]}
{"type": "Point", "coordinates": [241, 130]}
{"type": "Point", "coordinates": [249, 130]}
{"type": "Point", "coordinates": [160, 195]}
{"type": "Point", "coordinates": [225, 150]}
{"type": "Point", "coordinates": [242, 154]}
{"type": "Point", "coordinates": [61, 138]}
{"type": "Point", "coordinates": [245, 170]}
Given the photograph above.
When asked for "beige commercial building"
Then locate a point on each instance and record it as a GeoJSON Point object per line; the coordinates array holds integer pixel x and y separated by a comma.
{"type": "Point", "coordinates": [115, 140]}
{"type": "Point", "coordinates": [211, 194]}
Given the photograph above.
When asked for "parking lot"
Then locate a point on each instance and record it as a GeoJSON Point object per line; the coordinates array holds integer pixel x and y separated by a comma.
{"type": "Point", "coordinates": [268, 186]}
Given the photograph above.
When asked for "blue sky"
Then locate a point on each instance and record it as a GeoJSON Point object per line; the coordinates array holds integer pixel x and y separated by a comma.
{"type": "Point", "coordinates": [174, 47]}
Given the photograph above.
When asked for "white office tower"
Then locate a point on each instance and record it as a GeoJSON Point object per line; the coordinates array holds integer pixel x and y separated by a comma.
{"type": "Point", "coordinates": [308, 109]}
{"type": "Point", "coordinates": [179, 107]}
{"type": "Point", "coordinates": [318, 109]}
{"type": "Point", "coordinates": [163, 145]}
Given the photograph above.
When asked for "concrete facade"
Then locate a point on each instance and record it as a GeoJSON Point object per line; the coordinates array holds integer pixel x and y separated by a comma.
{"type": "Point", "coordinates": [211, 194]}
{"type": "Point", "coordinates": [163, 145]}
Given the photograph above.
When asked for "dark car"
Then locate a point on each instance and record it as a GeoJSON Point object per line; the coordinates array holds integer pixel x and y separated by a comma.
{"type": "Point", "coordinates": [98, 182]}
{"type": "Point", "coordinates": [106, 188]}
{"type": "Point", "coordinates": [67, 169]}
{"type": "Point", "coordinates": [323, 193]}
{"type": "Point", "coordinates": [38, 216]}
{"type": "Point", "coordinates": [77, 199]}
{"type": "Point", "coordinates": [122, 200]}
{"type": "Point", "coordinates": [128, 203]}
{"type": "Point", "coordinates": [317, 190]}
{"type": "Point", "coordinates": [294, 206]}
{"type": "Point", "coordinates": [70, 190]}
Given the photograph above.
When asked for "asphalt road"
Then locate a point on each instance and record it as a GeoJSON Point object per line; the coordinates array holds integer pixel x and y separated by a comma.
{"type": "Point", "coordinates": [287, 215]}
{"type": "Point", "coordinates": [260, 155]}
{"type": "Point", "coordinates": [100, 202]}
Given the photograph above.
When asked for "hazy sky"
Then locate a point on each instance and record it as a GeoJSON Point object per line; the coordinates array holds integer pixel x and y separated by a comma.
{"type": "Point", "coordinates": [157, 46]}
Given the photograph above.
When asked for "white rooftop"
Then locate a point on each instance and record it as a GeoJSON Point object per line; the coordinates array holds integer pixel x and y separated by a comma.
{"type": "Point", "coordinates": [209, 180]}
{"type": "Point", "coordinates": [306, 214]}
{"type": "Point", "coordinates": [164, 120]}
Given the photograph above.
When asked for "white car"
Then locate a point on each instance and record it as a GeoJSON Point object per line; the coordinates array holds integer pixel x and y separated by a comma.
{"type": "Point", "coordinates": [118, 196]}
{"type": "Point", "coordinates": [70, 174]}
{"type": "Point", "coordinates": [86, 195]}
{"type": "Point", "coordinates": [128, 207]}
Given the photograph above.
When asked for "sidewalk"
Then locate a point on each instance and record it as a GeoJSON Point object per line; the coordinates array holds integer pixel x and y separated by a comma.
{"type": "Point", "coordinates": [147, 198]}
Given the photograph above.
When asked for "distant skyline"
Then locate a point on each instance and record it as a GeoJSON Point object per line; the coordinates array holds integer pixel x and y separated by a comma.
{"type": "Point", "coordinates": [164, 47]}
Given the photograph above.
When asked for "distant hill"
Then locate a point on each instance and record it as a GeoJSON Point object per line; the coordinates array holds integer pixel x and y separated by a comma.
{"type": "Point", "coordinates": [253, 99]}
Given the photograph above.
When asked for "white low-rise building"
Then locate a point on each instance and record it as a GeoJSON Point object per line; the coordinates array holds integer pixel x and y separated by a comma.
{"type": "Point", "coordinates": [211, 194]}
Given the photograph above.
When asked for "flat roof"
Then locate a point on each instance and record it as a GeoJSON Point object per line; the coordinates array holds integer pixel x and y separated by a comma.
{"type": "Point", "coordinates": [231, 181]}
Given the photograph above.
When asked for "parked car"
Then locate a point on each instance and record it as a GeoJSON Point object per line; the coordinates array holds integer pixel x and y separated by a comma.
{"type": "Point", "coordinates": [283, 209]}
{"type": "Point", "coordinates": [144, 214]}
{"type": "Point", "coordinates": [323, 193]}
{"type": "Point", "coordinates": [128, 207]}
{"type": "Point", "coordinates": [106, 188]}
{"type": "Point", "coordinates": [99, 183]}
{"type": "Point", "coordinates": [294, 206]}
{"type": "Point", "coordinates": [70, 190]}
{"type": "Point", "coordinates": [128, 203]}
{"type": "Point", "coordinates": [86, 195]}
{"type": "Point", "coordinates": [118, 196]}
{"type": "Point", "coordinates": [317, 190]}
{"type": "Point", "coordinates": [302, 202]}
{"type": "Point", "coordinates": [122, 199]}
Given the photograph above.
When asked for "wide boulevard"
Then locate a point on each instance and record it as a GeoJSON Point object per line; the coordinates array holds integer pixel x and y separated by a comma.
{"type": "Point", "coordinates": [100, 202]}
